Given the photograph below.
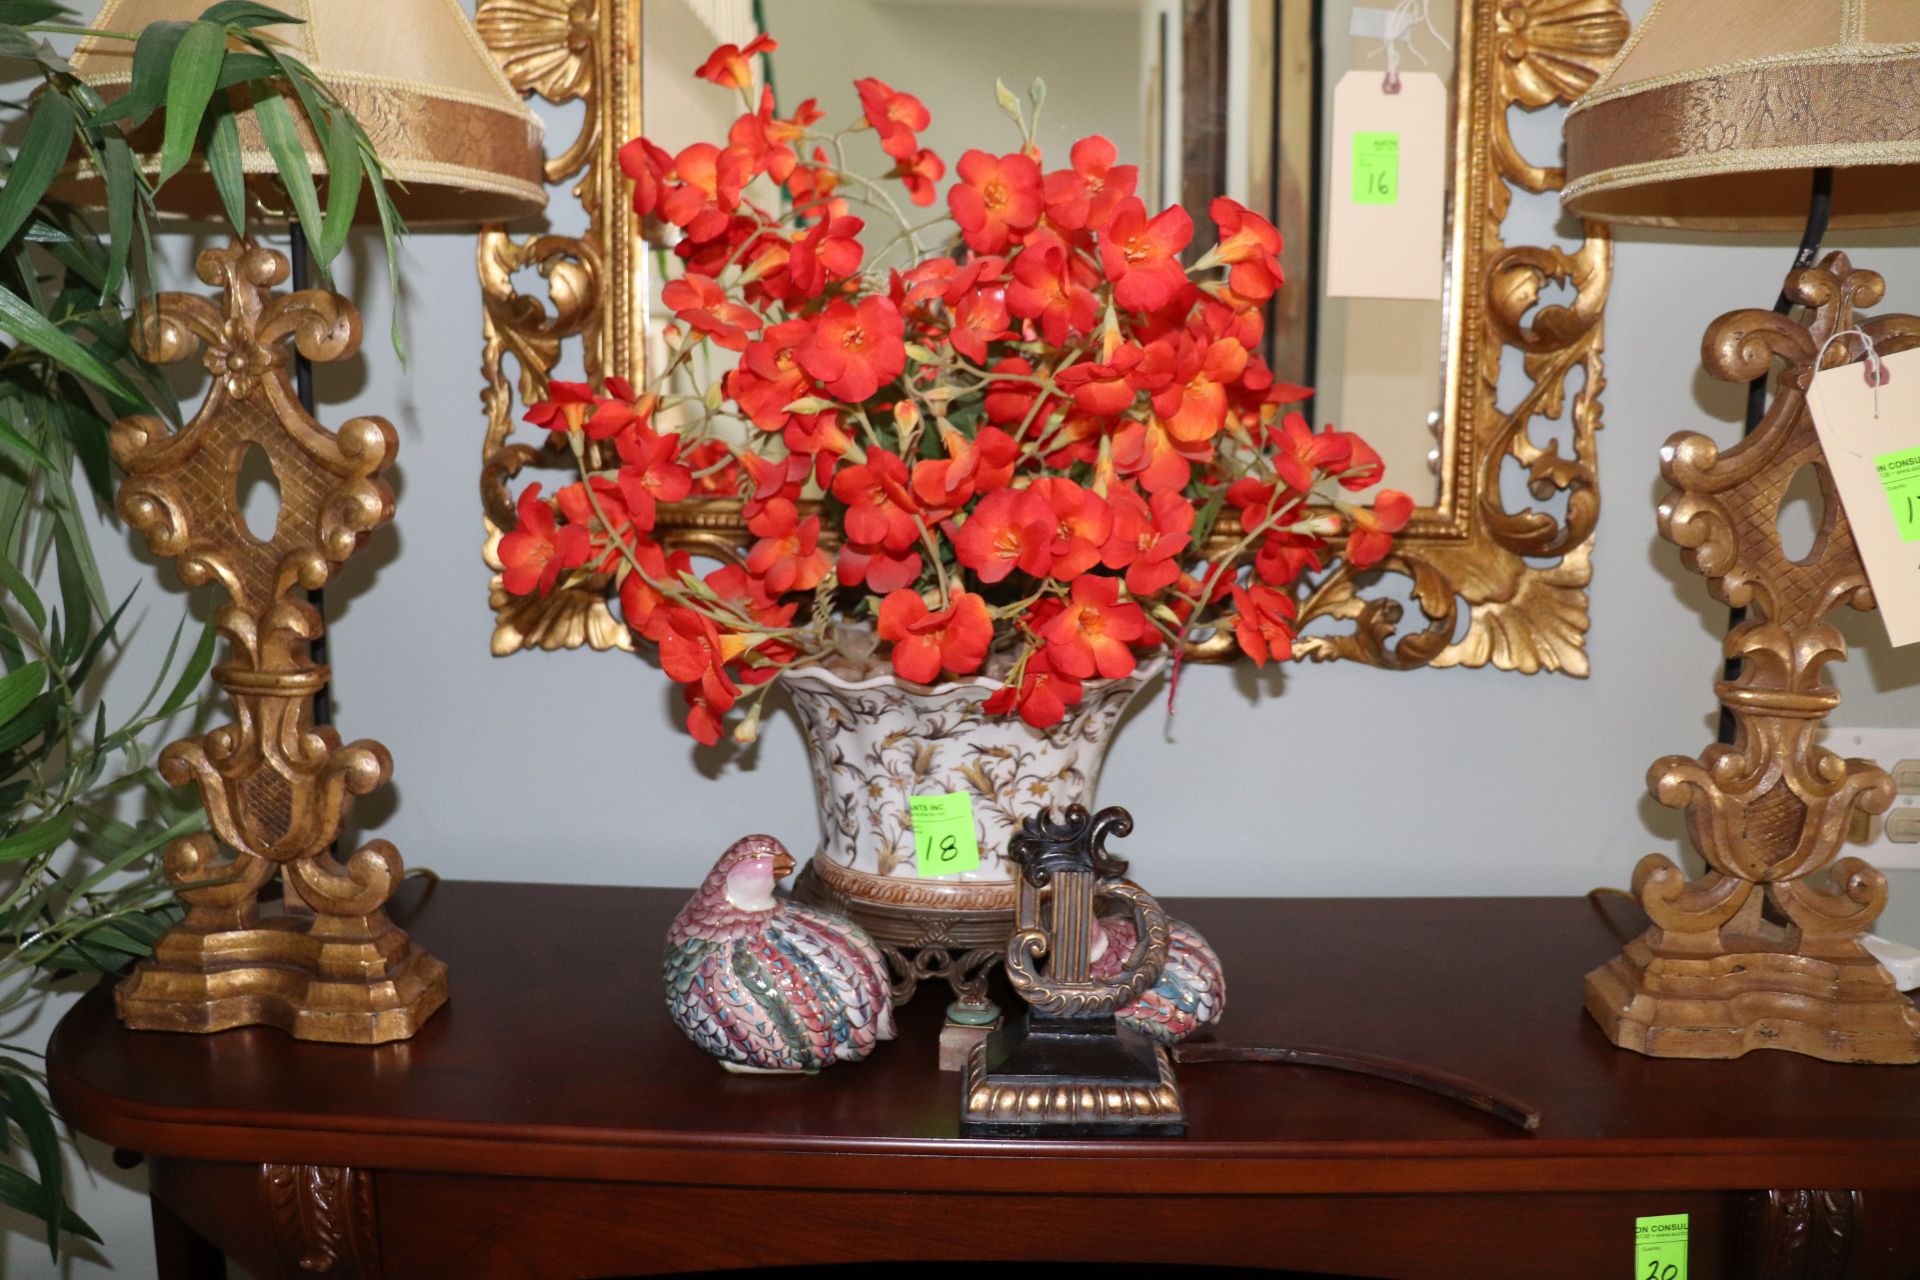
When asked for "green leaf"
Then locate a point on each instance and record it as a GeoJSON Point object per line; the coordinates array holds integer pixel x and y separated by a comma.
{"type": "Point", "coordinates": [190, 80]}
{"type": "Point", "coordinates": [25, 728]}
{"type": "Point", "coordinates": [24, 13]}
{"type": "Point", "coordinates": [289, 157]}
{"type": "Point", "coordinates": [223, 161]}
{"type": "Point", "coordinates": [141, 848]}
{"type": "Point", "coordinates": [26, 1195]}
{"type": "Point", "coordinates": [37, 839]}
{"type": "Point", "coordinates": [243, 68]}
{"type": "Point", "coordinates": [343, 190]}
{"type": "Point", "coordinates": [14, 442]}
{"type": "Point", "coordinates": [30, 1113]}
{"type": "Point", "coordinates": [27, 325]}
{"type": "Point", "coordinates": [391, 229]}
{"type": "Point", "coordinates": [245, 13]}
{"type": "Point", "coordinates": [195, 671]}
{"type": "Point", "coordinates": [123, 191]}
{"type": "Point", "coordinates": [78, 675]}
{"type": "Point", "coordinates": [43, 149]}
{"type": "Point", "coordinates": [18, 688]}
{"type": "Point", "coordinates": [17, 585]}
{"type": "Point", "coordinates": [76, 605]}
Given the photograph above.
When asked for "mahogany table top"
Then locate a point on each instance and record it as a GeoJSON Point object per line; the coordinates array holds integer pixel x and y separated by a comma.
{"type": "Point", "coordinates": [554, 1057]}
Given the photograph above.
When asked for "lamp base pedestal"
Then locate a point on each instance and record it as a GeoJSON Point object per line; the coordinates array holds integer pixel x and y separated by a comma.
{"type": "Point", "coordinates": [1056, 1078]}
{"type": "Point", "coordinates": [1669, 1004]}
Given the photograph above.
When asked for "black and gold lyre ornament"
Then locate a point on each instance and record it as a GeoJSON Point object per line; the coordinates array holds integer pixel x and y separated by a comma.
{"type": "Point", "coordinates": [1068, 1069]}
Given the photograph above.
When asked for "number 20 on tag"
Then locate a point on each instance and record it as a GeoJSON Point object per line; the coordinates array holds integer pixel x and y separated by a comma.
{"type": "Point", "coordinates": [944, 841]}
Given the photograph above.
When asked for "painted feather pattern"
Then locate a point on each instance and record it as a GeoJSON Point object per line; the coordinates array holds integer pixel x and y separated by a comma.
{"type": "Point", "coordinates": [776, 987]}
{"type": "Point", "coordinates": [1191, 992]}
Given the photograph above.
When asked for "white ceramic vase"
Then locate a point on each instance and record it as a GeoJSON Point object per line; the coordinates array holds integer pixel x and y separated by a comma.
{"type": "Point", "coordinates": [874, 743]}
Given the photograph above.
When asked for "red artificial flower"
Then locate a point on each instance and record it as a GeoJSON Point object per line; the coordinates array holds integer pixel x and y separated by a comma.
{"type": "Point", "coordinates": [1149, 537]}
{"type": "Point", "coordinates": [771, 478]}
{"type": "Point", "coordinates": [566, 408]}
{"type": "Point", "coordinates": [980, 465]}
{"type": "Point", "coordinates": [1142, 256]}
{"type": "Point", "coordinates": [788, 556]}
{"type": "Point", "coordinates": [704, 307]}
{"type": "Point", "coordinates": [1263, 623]}
{"type": "Point", "coordinates": [1082, 523]}
{"type": "Point", "coordinates": [1094, 630]}
{"type": "Point", "coordinates": [977, 299]}
{"type": "Point", "coordinates": [896, 116]}
{"type": "Point", "coordinates": [711, 180]}
{"type": "Point", "coordinates": [1194, 405]}
{"type": "Point", "coordinates": [768, 139]}
{"type": "Point", "coordinates": [1285, 555]}
{"type": "Point", "coordinates": [1250, 245]}
{"type": "Point", "coordinates": [642, 600]}
{"type": "Point", "coordinates": [715, 472]}
{"type": "Point", "coordinates": [918, 172]}
{"type": "Point", "coordinates": [651, 473]}
{"type": "Point", "coordinates": [1044, 288]}
{"type": "Point", "coordinates": [602, 510]}
{"type": "Point", "coordinates": [731, 67]}
{"type": "Point", "coordinates": [1104, 389]}
{"type": "Point", "coordinates": [996, 201]}
{"type": "Point", "coordinates": [812, 187]}
{"type": "Point", "coordinates": [1042, 695]}
{"type": "Point", "coordinates": [924, 643]}
{"type": "Point", "coordinates": [1298, 453]}
{"type": "Point", "coordinates": [769, 376]}
{"type": "Point", "coordinates": [855, 349]}
{"type": "Point", "coordinates": [830, 251]}
{"type": "Point", "coordinates": [875, 566]}
{"type": "Point", "coordinates": [1087, 194]}
{"type": "Point", "coordinates": [651, 169]}
{"type": "Point", "coordinates": [880, 510]}
{"type": "Point", "coordinates": [1146, 453]}
{"type": "Point", "coordinates": [1373, 528]}
{"type": "Point", "coordinates": [536, 552]}
{"type": "Point", "coordinates": [1011, 528]}
{"type": "Point", "coordinates": [1364, 467]}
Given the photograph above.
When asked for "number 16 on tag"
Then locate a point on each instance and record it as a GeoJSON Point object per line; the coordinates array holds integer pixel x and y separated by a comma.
{"type": "Point", "coordinates": [944, 841]}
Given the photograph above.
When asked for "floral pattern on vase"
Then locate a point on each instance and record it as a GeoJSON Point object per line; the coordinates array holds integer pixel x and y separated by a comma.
{"type": "Point", "coordinates": [874, 743]}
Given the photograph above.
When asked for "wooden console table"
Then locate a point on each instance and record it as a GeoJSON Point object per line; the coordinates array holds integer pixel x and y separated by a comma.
{"type": "Point", "coordinates": [551, 1122]}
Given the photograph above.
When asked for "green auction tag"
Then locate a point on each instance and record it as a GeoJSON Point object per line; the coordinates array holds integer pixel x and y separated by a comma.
{"type": "Point", "coordinates": [1900, 477]}
{"type": "Point", "coordinates": [1376, 168]}
{"type": "Point", "coordinates": [1660, 1247]}
{"type": "Point", "coordinates": [944, 841]}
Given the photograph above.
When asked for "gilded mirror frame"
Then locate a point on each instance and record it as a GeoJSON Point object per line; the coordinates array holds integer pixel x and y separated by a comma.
{"type": "Point", "coordinates": [1492, 586]}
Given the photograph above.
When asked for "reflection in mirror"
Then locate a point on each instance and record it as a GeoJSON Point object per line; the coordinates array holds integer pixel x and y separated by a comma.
{"type": "Point", "coordinates": [1380, 363]}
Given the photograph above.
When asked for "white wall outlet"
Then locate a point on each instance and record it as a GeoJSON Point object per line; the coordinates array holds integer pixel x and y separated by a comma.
{"type": "Point", "coordinates": [1890, 840]}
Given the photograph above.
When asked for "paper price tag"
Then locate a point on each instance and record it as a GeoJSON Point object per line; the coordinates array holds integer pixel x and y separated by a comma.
{"type": "Point", "coordinates": [1387, 189]}
{"type": "Point", "coordinates": [1872, 446]}
{"type": "Point", "coordinates": [1660, 1247]}
{"type": "Point", "coordinates": [1376, 168]}
{"type": "Point", "coordinates": [944, 840]}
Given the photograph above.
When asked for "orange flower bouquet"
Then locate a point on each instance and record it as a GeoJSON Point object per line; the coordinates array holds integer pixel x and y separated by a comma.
{"type": "Point", "coordinates": [997, 443]}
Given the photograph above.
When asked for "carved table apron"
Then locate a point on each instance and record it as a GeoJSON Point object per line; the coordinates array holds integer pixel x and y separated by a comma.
{"type": "Point", "coordinates": [552, 1122]}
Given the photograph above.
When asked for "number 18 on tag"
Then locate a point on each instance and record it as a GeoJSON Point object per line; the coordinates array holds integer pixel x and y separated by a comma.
{"type": "Point", "coordinates": [944, 841]}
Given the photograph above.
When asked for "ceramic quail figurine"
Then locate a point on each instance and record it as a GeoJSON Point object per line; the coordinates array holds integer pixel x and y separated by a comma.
{"type": "Point", "coordinates": [1191, 992]}
{"type": "Point", "coordinates": [765, 985]}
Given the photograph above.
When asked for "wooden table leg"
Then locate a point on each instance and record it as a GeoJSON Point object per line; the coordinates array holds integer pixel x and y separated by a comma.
{"type": "Point", "coordinates": [1800, 1235]}
{"type": "Point", "coordinates": [180, 1252]}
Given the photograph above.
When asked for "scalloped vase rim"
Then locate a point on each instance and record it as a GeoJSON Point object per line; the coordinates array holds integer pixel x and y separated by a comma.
{"type": "Point", "coordinates": [1143, 672]}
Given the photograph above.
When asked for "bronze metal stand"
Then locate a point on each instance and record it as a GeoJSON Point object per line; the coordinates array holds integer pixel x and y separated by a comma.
{"type": "Point", "coordinates": [1067, 1069]}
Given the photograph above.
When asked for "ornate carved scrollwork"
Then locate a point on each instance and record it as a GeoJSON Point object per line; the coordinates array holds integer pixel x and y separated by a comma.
{"type": "Point", "coordinates": [1715, 976]}
{"type": "Point", "coordinates": [1799, 1235]}
{"type": "Point", "coordinates": [276, 788]}
{"type": "Point", "coordinates": [1493, 586]}
{"type": "Point", "coordinates": [323, 1220]}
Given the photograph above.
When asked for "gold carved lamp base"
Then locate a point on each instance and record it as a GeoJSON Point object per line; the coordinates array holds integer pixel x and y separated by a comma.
{"type": "Point", "coordinates": [1763, 950]}
{"type": "Point", "coordinates": [324, 963]}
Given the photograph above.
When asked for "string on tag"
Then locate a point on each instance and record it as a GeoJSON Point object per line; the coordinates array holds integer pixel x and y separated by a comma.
{"type": "Point", "coordinates": [1397, 29]}
{"type": "Point", "coordinates": [1872, 367]}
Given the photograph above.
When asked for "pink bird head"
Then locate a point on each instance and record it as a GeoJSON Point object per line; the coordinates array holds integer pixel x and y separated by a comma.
{"type": "Point", "coordinates": [738, 892]}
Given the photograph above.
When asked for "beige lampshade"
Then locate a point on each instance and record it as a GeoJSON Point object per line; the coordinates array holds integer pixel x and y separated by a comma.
{"type": "Point", "coordinates": [440, 112]}
{"type": "Point", "coordinates": [1714, 112]}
